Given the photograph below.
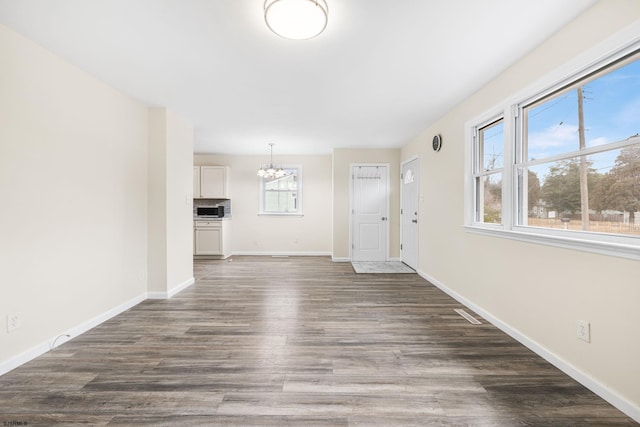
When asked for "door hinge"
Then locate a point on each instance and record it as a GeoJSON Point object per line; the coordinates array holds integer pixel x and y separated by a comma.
{"type": "Point", "coordinates": [400, 246]}
{"type": "Point", "coordinates": [401, 211]}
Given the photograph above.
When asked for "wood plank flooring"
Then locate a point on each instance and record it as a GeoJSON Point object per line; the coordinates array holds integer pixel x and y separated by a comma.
{"type": "Point", "coordinates": [265, 341]}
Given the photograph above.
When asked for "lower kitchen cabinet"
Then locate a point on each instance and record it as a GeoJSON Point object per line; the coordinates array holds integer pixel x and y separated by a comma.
{"type": "Point", "coordinates": [212, 238]}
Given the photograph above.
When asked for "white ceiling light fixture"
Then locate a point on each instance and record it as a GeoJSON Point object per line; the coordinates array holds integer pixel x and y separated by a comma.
{"type": "Point", "coordinates": [296, 19]}
{"type": "Point", "coordinates": [271, 171]}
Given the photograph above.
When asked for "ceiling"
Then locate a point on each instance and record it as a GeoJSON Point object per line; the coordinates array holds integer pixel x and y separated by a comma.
{"type": "Point", "coordinates": [381, 73]}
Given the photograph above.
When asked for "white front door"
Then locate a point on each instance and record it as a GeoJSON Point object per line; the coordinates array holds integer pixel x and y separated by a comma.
{"type": "Point", "coordinates": [409, 214]}
{"type": "Point", "coordinates": [370, 195]}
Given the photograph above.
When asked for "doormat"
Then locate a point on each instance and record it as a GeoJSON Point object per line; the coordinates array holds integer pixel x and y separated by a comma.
{"type": "Point", "coordinates": [373, 267]}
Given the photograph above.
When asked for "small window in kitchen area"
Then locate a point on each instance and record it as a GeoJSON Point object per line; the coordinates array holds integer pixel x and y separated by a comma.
{"type": "Point", "coordinates": [282, 195]}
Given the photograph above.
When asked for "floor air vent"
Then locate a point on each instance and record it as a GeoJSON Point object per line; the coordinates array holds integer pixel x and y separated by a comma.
{"type": "Point", "coordinates": [467, 316]}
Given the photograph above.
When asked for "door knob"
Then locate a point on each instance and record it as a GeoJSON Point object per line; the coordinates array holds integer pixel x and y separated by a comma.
{"type": "Point", "coordinates": [415, 221]}
{"type": "Point", "coordinates": [384, 218]}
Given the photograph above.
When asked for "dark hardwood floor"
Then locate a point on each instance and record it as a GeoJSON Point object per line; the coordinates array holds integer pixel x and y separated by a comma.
{"type": "Point", "coordinates": [297, 342]}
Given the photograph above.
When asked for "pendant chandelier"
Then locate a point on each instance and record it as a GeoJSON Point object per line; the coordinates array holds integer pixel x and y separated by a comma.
{"type": "Point", "coordinates": [271, 171]}
{"type": "Point", "coordinates": [296, 19]}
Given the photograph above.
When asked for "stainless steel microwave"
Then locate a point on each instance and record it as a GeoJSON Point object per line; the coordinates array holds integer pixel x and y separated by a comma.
{"type": "Point", "coordinates": [210, 211]}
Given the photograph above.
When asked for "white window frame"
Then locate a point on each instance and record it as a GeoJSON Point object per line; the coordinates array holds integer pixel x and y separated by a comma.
{"type": "Point", "coordinates": [625, 246]}
{"type": "Point", "coordinates": [262, 189]}
{"type": "Point", "coordinates": [478, 172]}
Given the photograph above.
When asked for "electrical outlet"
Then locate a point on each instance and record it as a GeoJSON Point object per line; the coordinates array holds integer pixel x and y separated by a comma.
{"type": "Point", "coordinates": [13, 322]}
{"type": "Point", "coordinates": [584, 331]}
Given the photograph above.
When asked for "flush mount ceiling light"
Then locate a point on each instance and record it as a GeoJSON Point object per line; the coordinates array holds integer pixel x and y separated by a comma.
{"type": "Point", "coordinates": [296, 19]}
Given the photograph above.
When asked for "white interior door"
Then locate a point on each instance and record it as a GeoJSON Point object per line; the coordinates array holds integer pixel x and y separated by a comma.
{"type": "Point", "coordinates": [370, 213]}
{"type": "Point", "coordinates": [409, 214]}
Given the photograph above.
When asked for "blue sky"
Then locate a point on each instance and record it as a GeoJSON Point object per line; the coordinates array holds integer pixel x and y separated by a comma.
{"type": "Point", "coordinates": [611, 112]}
{"type": "Point", "coordinates": [493, 146]}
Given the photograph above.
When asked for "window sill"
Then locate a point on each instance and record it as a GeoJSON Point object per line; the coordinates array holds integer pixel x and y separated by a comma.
{"type": "Point", "coordinates": [622, 250]}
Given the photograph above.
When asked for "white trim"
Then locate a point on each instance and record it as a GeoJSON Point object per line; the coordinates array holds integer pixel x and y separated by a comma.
{"type": "Point", "coordinates": [280, 214]}
{"type": "Point", "coordinates": [616, 46]}
{"type": "Point", "coordinates": [171, 292]}
{"type": "Point", "coordinates": [340, 259]}
{"type": "Point", "coordinates": [402, 164]}
{"type": "Point", "coordinates": [157, 295]}
{"type": "Point", "coordinates": [611, 396]}
{"type": "Point", "coordinates": [351, 244]}
{"type": "Point", "coordinates": [395, 259]}
{"type": "Point", "coordinates": [298, 211]}
{"type": "Point", "coordinates": [80, 329]}
{"type": "Point", "coordinates": [609, 146]}
{"type": "Point", "coordinates": [611, 49]}
{"type": "Point", "coordinates": [282, 253]}
{"type": "Point", "coordinates": [47, 345]}
{"type": "Point", "coordinates": [581, 244]}
{"type": "Point", "coordinates": [351, 182]}
{"type": "Point", "coordinates": [182, 286]}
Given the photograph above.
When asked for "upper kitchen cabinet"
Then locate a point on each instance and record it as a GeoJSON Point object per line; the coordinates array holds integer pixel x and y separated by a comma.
{"type": "Point", "coordinates": [210, 182]}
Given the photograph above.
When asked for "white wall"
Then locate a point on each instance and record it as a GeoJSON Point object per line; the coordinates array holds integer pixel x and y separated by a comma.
{"type": "Point", "coordinates": [179, 202]}
{"type": "Point", "coordinates": [170, 202]}
{"type": "Point", "coordinates": [342, 160]}
{"type": "Point", "coordinates": [73, 195]}
{"type": "Point", "coordinates": [537, 291]}
{"type": "Point", "coordinates": [157, 201]}
{"type": "Point", "coordinates": [267, 234]}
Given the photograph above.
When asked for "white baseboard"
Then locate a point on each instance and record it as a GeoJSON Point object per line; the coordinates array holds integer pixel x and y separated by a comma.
{"type": "Point", "coordinates": [182, 286]}
{"type": "Point", "coordinates": [173, 291]}
{"type": "Point", "coordinates": [335, 259]}
{"type": "Point", "coordinates": [47, 345]}
{"type": "Point", "coordinates": [624, 405]}
{"type": "Point", "coordinates": [157, 295]}
{"type": "Point", "coordinates": [286, 253]}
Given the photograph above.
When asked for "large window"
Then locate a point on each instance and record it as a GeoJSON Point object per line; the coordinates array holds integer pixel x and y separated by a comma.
{"type": "Point", "coordinates": [579, 167]}
{"type": "Point", "coordinates": [283, 195]}
{"type": "Point", "coordinates": [572, 172]}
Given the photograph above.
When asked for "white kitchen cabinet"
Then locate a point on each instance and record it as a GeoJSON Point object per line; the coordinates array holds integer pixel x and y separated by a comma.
{"type": "Point", "coordinates": [212, 238]}
{"type": "Point", "coordinates": [210, 182]}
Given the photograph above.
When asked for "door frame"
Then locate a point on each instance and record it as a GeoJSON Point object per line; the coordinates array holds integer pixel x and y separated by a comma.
{"type": "Point", "coordinates": [388, 190]}
{"type": "Point", "coordinates": [402, 164]}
